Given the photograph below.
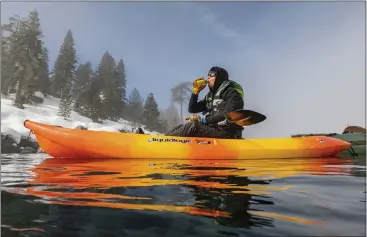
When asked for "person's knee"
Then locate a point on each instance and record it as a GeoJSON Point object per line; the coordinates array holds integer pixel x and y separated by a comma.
{"type": "Point", "coordinates": [189, 129]}
{"type": "Point", "coordinates": [177, 127]}
{"type": "Point", "coordinates": [191, 125]}
{"type": "Point", "coordinates": [173, 130]}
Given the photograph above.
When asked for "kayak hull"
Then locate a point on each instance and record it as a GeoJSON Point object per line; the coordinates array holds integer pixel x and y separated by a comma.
{"type": "Point", "coordinates": [73, 143]}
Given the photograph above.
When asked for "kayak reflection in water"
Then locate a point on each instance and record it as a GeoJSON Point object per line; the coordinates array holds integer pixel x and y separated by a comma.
{"type": "Point", "coordinates": [224, 96]}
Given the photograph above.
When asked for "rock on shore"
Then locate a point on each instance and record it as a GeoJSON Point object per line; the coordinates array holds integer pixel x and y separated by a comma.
{"type": "Point", "coordinates": [26, 145]}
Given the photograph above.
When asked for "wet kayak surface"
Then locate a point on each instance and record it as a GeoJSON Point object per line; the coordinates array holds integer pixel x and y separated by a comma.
{"type": "Point", "coordinates": [44, 196]}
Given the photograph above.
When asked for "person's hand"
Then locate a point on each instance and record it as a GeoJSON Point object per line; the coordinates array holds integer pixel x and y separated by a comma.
{"type": "Point", "coordinates": [196, 118]}
{"type": "Point", "coordinates": [225, 122]}
{"type": "Point", "coordinates": [198, 85]}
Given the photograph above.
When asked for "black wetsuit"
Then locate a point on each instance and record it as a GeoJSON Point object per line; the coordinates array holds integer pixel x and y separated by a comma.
{"type": "Point", "coordinates": [225, 96]}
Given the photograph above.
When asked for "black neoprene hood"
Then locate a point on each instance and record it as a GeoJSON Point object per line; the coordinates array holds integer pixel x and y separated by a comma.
{"type": "Point", "coordinates": [222, 75]}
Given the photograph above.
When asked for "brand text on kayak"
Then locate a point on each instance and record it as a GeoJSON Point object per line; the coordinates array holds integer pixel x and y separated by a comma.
{"type": "Point", "coordinates": [184, 141]}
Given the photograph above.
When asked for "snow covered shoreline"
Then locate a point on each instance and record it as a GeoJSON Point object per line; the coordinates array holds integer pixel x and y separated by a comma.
{"type": "Point", "coordinates": [15, 138]}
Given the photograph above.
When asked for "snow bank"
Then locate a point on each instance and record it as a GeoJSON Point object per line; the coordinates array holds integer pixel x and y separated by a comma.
{"type": "Point", "coordinates": [39, 95]}
{"type": "Point", "coordinates": [12, 118]}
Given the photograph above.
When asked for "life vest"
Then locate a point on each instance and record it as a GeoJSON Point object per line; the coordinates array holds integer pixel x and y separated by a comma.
{"type": "Point", "coordinates": [214, 103]}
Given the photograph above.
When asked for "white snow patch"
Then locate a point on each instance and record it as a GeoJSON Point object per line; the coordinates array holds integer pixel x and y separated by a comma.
{"type": "Point", "coordinates": [39, 95]}
{"type": "Point", "coordinates": [11, 132]}
{"type": "Point", "coordinates": [12, 118]}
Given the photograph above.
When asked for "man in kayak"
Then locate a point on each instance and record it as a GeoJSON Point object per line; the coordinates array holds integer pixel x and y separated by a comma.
{"type": "Point", "coordinates": [224, 96]}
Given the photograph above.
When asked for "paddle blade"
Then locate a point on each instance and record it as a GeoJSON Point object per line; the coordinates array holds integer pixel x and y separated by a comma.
{"type": "Point", "coordinates": [245, 117]}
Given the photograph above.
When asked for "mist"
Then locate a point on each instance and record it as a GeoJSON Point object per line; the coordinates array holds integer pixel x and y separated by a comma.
{"type": "Point", "coordinates": [302, 64]}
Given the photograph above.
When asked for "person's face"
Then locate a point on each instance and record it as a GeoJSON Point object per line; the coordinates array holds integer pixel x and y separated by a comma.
{"type": "Point", "coordinates": [211, 79]}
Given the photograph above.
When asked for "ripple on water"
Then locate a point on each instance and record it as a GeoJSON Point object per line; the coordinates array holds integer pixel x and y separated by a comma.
{"type": "Point", "coordinates": [323, 196]}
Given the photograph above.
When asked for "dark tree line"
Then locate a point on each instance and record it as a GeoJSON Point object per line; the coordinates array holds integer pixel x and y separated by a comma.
{"type": "Point", "coordinates": [24, 61]}
{"type": "Point", "coordinates": [99, 94]}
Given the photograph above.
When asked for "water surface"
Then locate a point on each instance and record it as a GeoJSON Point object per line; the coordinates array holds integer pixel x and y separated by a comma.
{"type": "Point", "coordinates": [44, 196]}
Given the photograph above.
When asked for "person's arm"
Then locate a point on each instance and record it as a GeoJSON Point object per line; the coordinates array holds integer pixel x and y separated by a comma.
{"type": "Point", "coordinates": [234, 102]}
{"type": "Point", "coordinates": [196, 106]}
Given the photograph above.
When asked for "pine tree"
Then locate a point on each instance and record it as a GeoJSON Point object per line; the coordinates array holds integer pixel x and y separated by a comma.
{"type": "Point", "coordinates": [106, 75]}
{"type": "Point", "coordinates": [171, 116]}
{"type": "Point", "coordinates": [35, 57]}
{"type": "Point", "coordinates": [119, 95]}
{"type": "Point", "coordinates": [22, 59]}
{"type": "Point", "coordinates": [83, 79]}
{"type": "Point", "coordinates": [44, 73]}
{"type": "Point", "coordinates": [180, 94]}
{"type": "Point", "coordinates": [134, 108]}
{"type": "Point", "coordinates": [9, 51]}
{"type": "Point", "coordinates": [64, 75]}
{"type": "Point", "coordinates": [64, 68]}
{"type": "Point", "coordinates": [90, 101]}
{"type": "Point", "coordinates": [95, 103]}
{"type": "Point", "coordinates": [81, 105]}
{"type": "Point", "coordinates": [8, 66]}
{"type": "Point", "coordinates": [150, 113]}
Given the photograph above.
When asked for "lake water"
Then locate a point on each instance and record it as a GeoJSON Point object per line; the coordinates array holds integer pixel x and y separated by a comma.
{"type": "Point", "coordinates": [43, 196]}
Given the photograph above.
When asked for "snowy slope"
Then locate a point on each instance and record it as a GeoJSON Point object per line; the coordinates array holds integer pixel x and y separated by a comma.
{"type": "Point", "coordinates": [12, 118]}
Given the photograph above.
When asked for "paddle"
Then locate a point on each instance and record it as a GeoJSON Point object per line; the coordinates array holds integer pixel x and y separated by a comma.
{"type": "Point", "coordinates": [243, 118]}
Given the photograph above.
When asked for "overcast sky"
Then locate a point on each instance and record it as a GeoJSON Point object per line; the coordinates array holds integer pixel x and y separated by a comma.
{"type": "Point", "coordinates": [302, 64]}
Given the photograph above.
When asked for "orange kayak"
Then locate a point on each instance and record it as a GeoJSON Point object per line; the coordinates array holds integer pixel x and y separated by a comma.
{"type": "Point", "coordinates": [74, 143]}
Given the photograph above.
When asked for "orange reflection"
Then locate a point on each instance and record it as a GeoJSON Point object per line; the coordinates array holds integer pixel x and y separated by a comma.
{"type": "Point", "coordinates": [89, 183]}
{"type": "Point", "coordinates": [286, 218]}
